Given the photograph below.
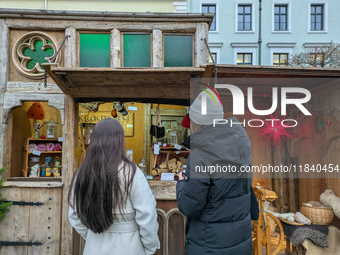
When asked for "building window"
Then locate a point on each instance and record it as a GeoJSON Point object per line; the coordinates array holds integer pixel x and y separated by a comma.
{"type": "Point", "coordinates": [244, 59]}
{"type": "Point", "coordinates": [316, 17]}
{"type": "Point", "coordinates": [317, 59]}
{"type": "Point", "coordinates": [94, 50]}
{"type": "Point", "coordinates": [280, 59]}
{"type": "Point", "coordinates": [244, 18]}
{"type": "Point", "coordinates": [178, 50]}
{"type": "Point", "coordinates": [280, 17]}
{"type": "Point", "coordinates": [213, 59]}
{"type": "Point", "coordinates": [137, 50]}
{"type": "Point", "coordinates": [210, 8]}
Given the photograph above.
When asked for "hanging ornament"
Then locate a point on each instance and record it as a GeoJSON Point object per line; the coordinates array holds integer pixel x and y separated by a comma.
{"type": "Point", "coordinates": [319, 124]}
{"type": "Point", "coordinates": [265, 94]}
{"type": "Point", "coordinates": [295, 134]}
{"type": "Point", "coordinates": [114, 113]}
{"type": "Point", "coordinates": [275, 129]}
{"type": "Point", "coordinates": [328, 123]}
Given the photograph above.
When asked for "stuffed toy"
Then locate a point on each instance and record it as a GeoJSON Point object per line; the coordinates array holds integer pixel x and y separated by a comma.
{"type": "Point", "coordinates": [330, 199]}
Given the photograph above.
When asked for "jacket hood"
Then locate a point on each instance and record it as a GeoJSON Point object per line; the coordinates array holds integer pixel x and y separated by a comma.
{"type": "Point", "coordinates": [224, 142]}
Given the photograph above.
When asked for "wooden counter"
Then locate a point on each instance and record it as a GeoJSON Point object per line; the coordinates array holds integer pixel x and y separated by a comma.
{"type": "Point", "coordinates": [171, 221]}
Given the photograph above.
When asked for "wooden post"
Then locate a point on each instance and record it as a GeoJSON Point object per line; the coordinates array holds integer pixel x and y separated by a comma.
{"type": "Point", "coordinates": [70, 56]}
{"type": "Point", "coordinates": [69, 142]}
{"type": "Point", "coordinates": [116, 59]}
{"type": "Point", "coordinates": [201, 51]}
{"type": "Point", "coordinates": [3, 79]}
{"type": "Point", "coordinates": [147, 137]}
{"type": "Point", "coordinates": [68, 170]}
{"type": "Point", "coordinates": [157, 48]}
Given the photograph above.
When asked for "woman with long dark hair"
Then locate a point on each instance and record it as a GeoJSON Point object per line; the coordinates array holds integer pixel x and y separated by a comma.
{"type": "Point", "coordinates": [111, 204]}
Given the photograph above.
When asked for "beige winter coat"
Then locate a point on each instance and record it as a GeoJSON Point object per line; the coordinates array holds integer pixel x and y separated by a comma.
{"type": "Point", "coordinates": [134, 235]}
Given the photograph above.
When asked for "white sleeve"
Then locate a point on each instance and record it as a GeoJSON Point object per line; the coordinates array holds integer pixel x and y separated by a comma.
{"type": "Point", "coordinates": [76, 223]}
{"type": "Point", "coordinates": [144, 203]}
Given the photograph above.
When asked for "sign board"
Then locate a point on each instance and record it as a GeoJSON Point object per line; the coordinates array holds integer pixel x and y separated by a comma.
{"type": "Point", "coordinates": [126, 121]}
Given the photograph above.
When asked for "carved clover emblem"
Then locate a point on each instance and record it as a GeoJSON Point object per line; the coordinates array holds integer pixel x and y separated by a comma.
{"type": "Point", "coordinates": [31, 50]}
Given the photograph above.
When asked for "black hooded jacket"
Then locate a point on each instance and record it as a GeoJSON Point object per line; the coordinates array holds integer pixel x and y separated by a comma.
{"type": "Point", "coordinates": [217, 205]}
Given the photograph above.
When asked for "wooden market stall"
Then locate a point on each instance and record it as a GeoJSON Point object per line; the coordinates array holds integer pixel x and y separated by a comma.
{"type": "Point", "coordinates": [73, 81]}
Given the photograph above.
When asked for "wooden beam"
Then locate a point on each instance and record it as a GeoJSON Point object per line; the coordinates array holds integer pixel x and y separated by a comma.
{"type": "Point", "coordinates": [200, 47]}
{"type": "Point", "coordinates": [100, 25]}
{"type": "Point", "coordinates": [115, 45]}
{"type": "Point", "coordinates": [170, 112]}
{"type": "Point", "coordinates": [106, 16]}
{"type": "Point", "coordinates": [69, 141]}
{"type": "Point", "coordinates": [70, 56]}
{"type": "Point", "coordinates": [157, 48]}
{"type": "Point", "coordinates": [4, 37]}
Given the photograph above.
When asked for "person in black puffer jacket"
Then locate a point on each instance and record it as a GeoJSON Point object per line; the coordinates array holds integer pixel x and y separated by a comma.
{"type": "Point", "coordinates": [217, 204]}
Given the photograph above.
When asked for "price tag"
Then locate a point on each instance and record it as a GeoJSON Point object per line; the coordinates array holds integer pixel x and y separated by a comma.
{"type": "Point", "coordinates": [178, 147]}
{"type": "Point", "coordinates": [36, 152]}
{"type": "Point", "coordinates": [60, 139]}
{"type": "Point", "coordinates": [164, 144]}
{"type": "Point", "coordinates": [159, 143]}
{"type": "Point", "coordinates": [156, 149]}
{"type": "Point", "coordinates": [132, 108]}
{"type": "Point", "coordinates": [167, 176]}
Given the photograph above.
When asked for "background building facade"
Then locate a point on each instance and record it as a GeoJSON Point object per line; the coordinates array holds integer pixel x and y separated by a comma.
{"type": "Point", "coordinates": [287, 27]}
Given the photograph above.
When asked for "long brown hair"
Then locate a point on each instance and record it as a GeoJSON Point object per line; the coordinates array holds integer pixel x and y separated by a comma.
{"type": "Point", "coordinates": [96, 190]}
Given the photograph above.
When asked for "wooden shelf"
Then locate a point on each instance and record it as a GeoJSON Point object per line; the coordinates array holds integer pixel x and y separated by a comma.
{"type": "Point", "coordinates": [30, 152]}
{"type": "Point", "coordinates": [45, 139]}
{"type": "Point", "coordinates": [171, 148]}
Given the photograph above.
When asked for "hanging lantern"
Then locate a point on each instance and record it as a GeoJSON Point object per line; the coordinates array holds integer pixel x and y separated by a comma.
{"type": "Point", "coordinates": [275, 129]}
{"type": "Point", "coordinates": [328, 123]}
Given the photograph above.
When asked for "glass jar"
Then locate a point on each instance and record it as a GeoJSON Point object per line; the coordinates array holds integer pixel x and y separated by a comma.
{"type": "Point", "coordinates": [51, 129]}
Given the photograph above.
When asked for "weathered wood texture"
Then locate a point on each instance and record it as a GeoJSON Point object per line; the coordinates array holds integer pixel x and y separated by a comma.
{"type": "Point", "coordinates": [120, 83]}
{"type": "Point", "coordinates": [320, 148]}
{"type": "Point", "coordinates": [115, 46]}
{"type": "Point", "coordinates": [33, 184]}
{"type": "Point", "coordinates": [163, 190]}
{"type": "Point", "coordinates": [70, 56]}
{"type": "Point", "coordinates": [157, 48]}
{"type": "Point", "coordinates": [68, 170]}
{"type": "Point", "coordinates": [171, 228]}
{"type": "Point", "coordinates": [4, 35]}
{"type": "Point", "coordinates": [46, 24]}
{"type": "Point", "coordinates": [121, 16]}
{"type": "Point", "coordinates": [33, 87]}
{"type": "Point", "coordinates": [32, 223]}
{"type": "Point", "coordinates": [201, 51]}
{"type": "Point", "coordinates": [147, 137]}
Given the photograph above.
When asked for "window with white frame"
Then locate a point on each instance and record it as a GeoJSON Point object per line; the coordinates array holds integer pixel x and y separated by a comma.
{"type": "Point", "coordinates": [244, 17]}
{"type": "Point", "coordinates": [280, 59]}
{"type": "Point", "coordinates": [214, 58]}
{"type": "Point", "coordinates": [280, 17]}
{"type": "Point", "coordinates": [317, 17]}
{"type": "Point", "coordinates": [210, 8]}
{"type": "Point", "coordinates": [244, 58]}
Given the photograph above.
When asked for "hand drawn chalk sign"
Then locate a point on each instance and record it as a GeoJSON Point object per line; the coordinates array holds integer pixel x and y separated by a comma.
{"type": "Point", "coordinates": [126, 121]}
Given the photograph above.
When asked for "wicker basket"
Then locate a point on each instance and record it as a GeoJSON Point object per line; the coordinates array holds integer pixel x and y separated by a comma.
{"type": "Point", "coordinates": [318, 215]}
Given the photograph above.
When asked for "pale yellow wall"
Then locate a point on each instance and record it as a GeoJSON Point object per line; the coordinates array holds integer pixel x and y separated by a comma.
{"type": "Point", "coordinates": [88, 5]}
